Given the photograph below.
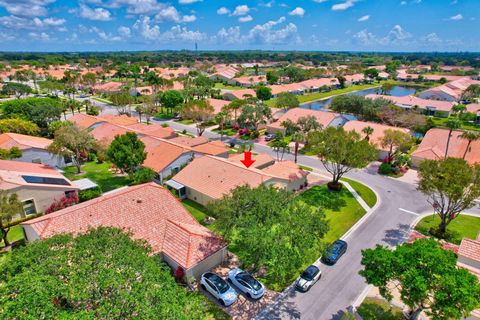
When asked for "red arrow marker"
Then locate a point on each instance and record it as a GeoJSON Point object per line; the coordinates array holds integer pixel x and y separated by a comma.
{"type": "Point", "coordinates": [247, 161]}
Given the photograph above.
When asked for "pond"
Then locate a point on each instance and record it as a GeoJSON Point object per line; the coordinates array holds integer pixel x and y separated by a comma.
{"type": "Point", "coordinates": [397, 91]}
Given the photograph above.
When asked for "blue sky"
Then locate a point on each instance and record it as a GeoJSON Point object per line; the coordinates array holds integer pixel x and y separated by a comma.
{"type": "Point", "coordinates": [360, 25]}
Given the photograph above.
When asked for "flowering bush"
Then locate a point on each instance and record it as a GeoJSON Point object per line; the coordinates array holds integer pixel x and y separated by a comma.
{"type": "Point", "coordinates": [62, 203]}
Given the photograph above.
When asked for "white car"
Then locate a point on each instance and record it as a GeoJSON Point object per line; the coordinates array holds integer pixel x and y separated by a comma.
{"type": "Point", "coordinates": [308, 278]}
{"type": "Point", "coordinates": [246, 283]}
{"type": "Point", "coordinates": [219, 288]}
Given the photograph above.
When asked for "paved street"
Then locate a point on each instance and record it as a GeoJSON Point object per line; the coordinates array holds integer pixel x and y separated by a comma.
{"type": "Point", "coordinates": [340, 285]}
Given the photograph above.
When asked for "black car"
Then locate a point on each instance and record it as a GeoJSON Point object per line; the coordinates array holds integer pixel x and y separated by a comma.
{"type": "Point", "coordinates": [334, 252]}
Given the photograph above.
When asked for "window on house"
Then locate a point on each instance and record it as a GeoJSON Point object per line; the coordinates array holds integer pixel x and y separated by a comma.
{"type": "Point", "coordinates": [29, 207]}
{"type": "Point", "coordinates": [37, 160]}
{"type": "Point", "coordinates": [175, 169]}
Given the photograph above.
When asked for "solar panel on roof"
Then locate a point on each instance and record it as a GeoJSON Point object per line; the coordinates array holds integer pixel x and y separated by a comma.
{"type": "Point", "coordinates": [46, 180]}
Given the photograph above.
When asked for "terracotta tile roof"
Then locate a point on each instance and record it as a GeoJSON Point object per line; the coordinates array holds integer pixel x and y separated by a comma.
{"type": "Point", "coordinates": [111, 86]}
{"type": "Point", "coordinates": [218, 104]}
{"type": "Point", "coordinates": [261, 159]}
{"type": "Point", "coordinates": [470, 249]}
{"type": "Point", "coordinates": [11, 173]}
{"type": "Point", "coordinates": [84, 120]}
{"type": "Point", "coordinates": [106, 132]}
{"type": "Point", "coordinates": [122, 120]}
{"type": "Point", "coordinates": [288, 170]}
{"type": "Point", "coordinates": [189, 141]}
{"type": "Point", "coordinates": [378, 130]}
{"type": "Point", "coordinates": [323, 117]}
{"type": "Point", "coordinates": [213, 148]}
{"type": "Point", "coordinates": [415, 235]}
{"type": "Point", "coordinates": [412, 101]}
{"type": "Point", "coordinates": [216, 177]}
{"type": "Point", "coordinates": [240, 94]}
{"type": "Point", "coordinates": [149, 211]}
{"type": "Point", "coordinates": [161, 153]}
{"type": "Point", "coordinates": [250, 80]}
{"type": "Point", "coordinates": [434, 143]}
{"type": "Point", "coordinates": [23, 142]}
{"type": "Point", "coordinates": [154, 130]}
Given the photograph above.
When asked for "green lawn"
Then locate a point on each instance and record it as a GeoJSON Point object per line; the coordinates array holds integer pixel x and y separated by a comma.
{"type": "Point", "coordinates": [226, 131]}
{"type": "Point", "coordinates": [101, 100]}
{"type": "Point", "coordinates": [186, 121]}
{"type": "Point", "coordinates": [363, 191]}
{"type": "Point", "coordinates": [462, 226]}
{"type": "Point", "coordinates": [195, 209]}
{"type": "Point", "coordinates": [341, 209]}
{"type": "Point", "coordinates": [15, 234]}
{"type": "Point", "coordinates": [323, 95]}
{"type": "Point", "coordinates": [466, 125]}
{"type": "Point", "coordinates": [219, 85]}
{"type": "Point", "coordinates": [377, 309]}
{"type": "Point", "coordinates": [98, 173]}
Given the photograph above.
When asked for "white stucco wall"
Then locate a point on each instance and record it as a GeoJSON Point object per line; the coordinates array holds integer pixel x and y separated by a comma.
{"type": "Point", "coordinates": [178, 163]}
{"type": "Point", "coordinates": [45, 157]}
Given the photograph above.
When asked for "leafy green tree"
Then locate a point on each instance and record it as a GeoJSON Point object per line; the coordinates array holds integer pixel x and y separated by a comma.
{"type": "Point", "coordinates": [451, 124]}
{"type": "Point", "coordinates": [41, 111]}
{"type": "Point", "coordinates": [472, 92]}
{"type": "Point", "coordinates": [253, 115]}
{"type": "Point", "coordinates": [263, 93]}
{"type": "Point", "coordinates": [394, 140]}
{"type": "Point", "coordinates": [265, 220]}
{"type": "Point", "coordinates": [386, 87]}
{"type": "Point", "coordinates": [9, 207]}
{"type": "Point", "coordinates": [127, 152]}
{"type": "Point", "coordinates": [371, 73]}
{"type": "Point", "coordinates": [235, 106]}
{"type": "Point", "coordinates": [102, 274]}
{"type": "Point", "coordinates": [74, 142]}
{"type": "Point", "coordinates": [12, 153]}
{"type": "Point", "coordinates": [470, 136]}
{"type": "Point", "coordinates": [341, 81]}
{"type": "Point", "coordinates": [286, 100]}
{"type": "Point", "coordinates": [272, 77]}
{"type": "Point", "coordinates": [426, 276]}
{"type": "Point", "coordinates": [341, 151]}
{"type": "Point", "coordinates": [307, 124]}
{"type": "Point", "coordinates": [170, 99]}
{"type": "Point", "coordinates": [199, 111]}
{"type": "Point", "coordinates": [142, 175]}
{"type": "Point", "coordinates": [122, 101]}
{"type": "Point", "coordinates": [19, 126]}
{"type": "Point", "coordinates": [17, 89]}
{"type": "Point", "coordinates": [451, 186]}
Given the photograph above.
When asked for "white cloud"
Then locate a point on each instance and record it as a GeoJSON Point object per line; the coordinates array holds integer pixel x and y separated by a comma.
{"type": "Point", "coordinates": [228, 36]}
{"type": "Point", "coordinates": [241, 10]}
{"type": "Point", "coordinates": [108, 36]}
{"type": "Point", "coordinates": [319, 1]}
{"type": "Point", "coordinates": [267, 34]}
{"type": "Point", "coordinates": [188, 1]}
{"type": "Point", "coordinates": [182, 33]}
{"type": "Point", "coordinates": [364, 18]}
{"type": "Point", "coordinates": [148, 32]}
{"type": "Point", "coordinates": [26, 8]}
{"type": "Point", "coordinates": [403, 3]}
{"type": "Point", "coordinates": [298, 11]}
{"type": "Point", "coordinates": [267, 4]}
{"type": "Point", "coordinates": [124, 31]}
{"type": "Point", "coordinates": [245, 18]}
{"type": "Point", "coordinates": [97, 14]}
{"type": "Point", "coordinates": [344, 5]}
{"type": "Point", "coordinates": [48, 22]}
{"type": "Point", "coordinates": [456, 17]}
{"type": "Point", "coordinates": [223, 10]}
{"type": "Point", "coordinates": [170, 13]}
{"type": "Point", "coordinates": [397, 35]}
{"type": "Point", "coordinates": [431, 39]}
{"type": "Point", "coordinates": [39, 36]}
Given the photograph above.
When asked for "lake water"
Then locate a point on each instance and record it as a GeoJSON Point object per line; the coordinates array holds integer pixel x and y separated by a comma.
{"type": "Point", "coordinates": [397, 91]}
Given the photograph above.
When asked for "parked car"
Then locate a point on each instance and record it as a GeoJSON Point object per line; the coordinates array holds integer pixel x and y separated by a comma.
{"type": "Point", "coordinates": [218, 288]}
{"type": "Point", "coordinates": [270, 136]}
{"type": "Point", "coordinates": [246, 283]}
{"type": "Point", "coordinates": [334, 252]}
{"type": "Point", "coordinates": [308, 278]}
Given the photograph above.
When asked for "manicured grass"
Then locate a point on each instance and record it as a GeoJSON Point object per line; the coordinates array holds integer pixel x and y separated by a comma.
{"type": "Point", "coordinates": [195, 209]}
{"type": "Point", "coordinates": [186, 121]}
{"type": "Point", "coordinates": [323, 95]}
{"type": "Point", "coordinates": [441, 122]}
{"type": "Point", "coordinates": [15, 234]}
{"type": "Point", "coordinates": [226, 131]}
{"type": "Point", "coordinates": [341, 209]}
{"type": "Point", "coordinates": [98, 173]}
{"type": "Point", "coordinates": [219, 85]}
{"type": "Point", "coordinates": [306, 168]}
{"type": "Point", "coordinates": [101, 100]}
{"type": "Point", "coordinates": [460, 227]}
{"type": "Point", "coordinates": [363, 191]}
{"type": "Point", "coordinates": [377, 309]}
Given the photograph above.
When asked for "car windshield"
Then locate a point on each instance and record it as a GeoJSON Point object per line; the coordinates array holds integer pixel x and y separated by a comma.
{"type": "Point", "coordinates": [221, 285]}
{"type": "Point", "coordinates": [334, 248]}
{"type": "Point", "coordinates": [310, 273]}
{"type": "Point", "coordinates": [251, 281]}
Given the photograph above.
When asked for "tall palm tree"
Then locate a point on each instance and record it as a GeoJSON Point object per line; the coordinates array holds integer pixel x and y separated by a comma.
{"type": "Point", "coordinates": [368, 132]}
{"type": "Point", "coordinates": [452, 124]}
{"type": "Point", "coordinates": [470, 136]}
{"type": "Point", "coordinates": [298, 137]}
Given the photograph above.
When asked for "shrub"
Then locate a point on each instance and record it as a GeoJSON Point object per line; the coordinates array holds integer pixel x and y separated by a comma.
{"type": "Point", "coordinates": [89, 194]}
{"type": "Point", "coordinates": [165, 125]}
{"type": "Point", "coordinates": [437, 233]}
{"type": "Point", "coordinates": [93, 111]}
{"type": "Point", "coordinates": [62, 203]}
{"type": "Point", "coordinates": [385, 168]}
{"type": "Point", "coordinates": [142, 175]}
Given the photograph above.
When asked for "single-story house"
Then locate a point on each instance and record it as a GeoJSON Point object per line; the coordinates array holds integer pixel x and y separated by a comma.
{"type": "Point", "coordinates": [434, 144]}
{"type": "Point", "coordinates": [238, 94]}
{"type": "Point", "coordinates": [34, 149]}
{"type": "Point", "coordinates": [36, 185]}
{"type": "Point", "coordinates": [224, 73]}
{"type": "Point", "coordinates": [430, 107]}
{"type": "Point", "coordinates": [151, 213]}
{"type": "Point", "coordinates": [325, 118]}
{"type": "Point", "coordinates": [248, 81]}
{"type": "Point", "coordinates": [213, 148]}
{"type": "Point", "coordinates": [469, 255]}
{"type": "Point", "coordinates": [450, 91]}
{"type": "Point", "coordinates": [355, 79]}
{"type": "Point", "coordinates": [197, 179]}
{"type": "Point", "coordinates": [376, 137]}
{"type": "Point", "coordinates": [218, 104]}
{"type": "Point", "coordinates": [108, 87]}
{"type": "Point", "coordinates": [262, 160]}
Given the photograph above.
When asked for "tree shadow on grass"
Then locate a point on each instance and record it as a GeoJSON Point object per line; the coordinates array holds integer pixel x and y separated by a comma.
{"type": "Point", "coordinates": [375, 309]}
{"type": "Point", "coordinates": [320, 196]}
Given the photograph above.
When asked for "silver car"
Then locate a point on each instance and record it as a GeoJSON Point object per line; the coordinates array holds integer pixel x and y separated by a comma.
{"type": "Point", "coordinates": [219, 288]}
{"type": "Point", "coordinates": [308, 278]}
{"type": "Point", "coordinates": [246, 283]}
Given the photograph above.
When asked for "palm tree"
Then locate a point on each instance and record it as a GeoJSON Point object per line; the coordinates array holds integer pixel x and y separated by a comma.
{"type": "Point", "coordinates": [298, 137]}
{"type": "Point", "coordinates": [221, 118]}
{"type": "Point", "coordinates": [368, 132]}
{"type": "Point", "coordinates": [452, 124]}
{"type": "Point", "coordinates": [470, 136]}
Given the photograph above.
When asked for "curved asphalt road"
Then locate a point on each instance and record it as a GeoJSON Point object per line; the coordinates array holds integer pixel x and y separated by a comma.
{"type": "Point", "coordinates": [388, 224]}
